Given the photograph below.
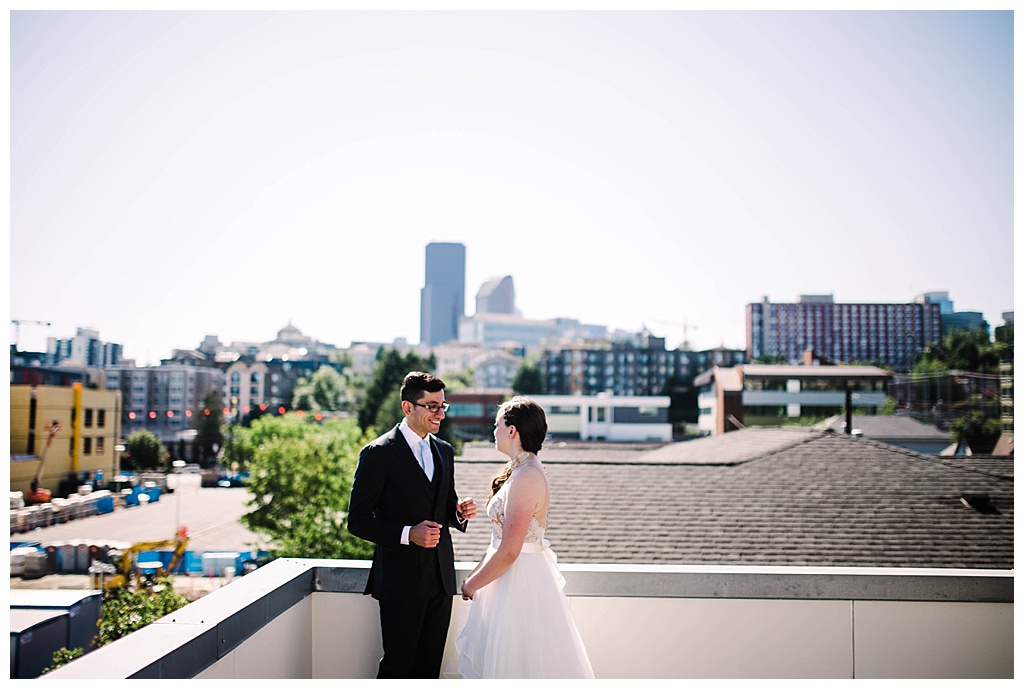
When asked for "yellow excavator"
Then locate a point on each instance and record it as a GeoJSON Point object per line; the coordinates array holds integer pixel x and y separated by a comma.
{"type": "Point", "coordinates": [124, 569]}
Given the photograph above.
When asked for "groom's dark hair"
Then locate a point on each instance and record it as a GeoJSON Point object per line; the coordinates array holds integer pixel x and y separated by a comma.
{"type": "Point", "coordinates": [417, 383]}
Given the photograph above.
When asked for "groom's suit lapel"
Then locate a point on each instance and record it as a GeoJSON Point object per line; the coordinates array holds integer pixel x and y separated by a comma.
{"type": "Point", "coordinates": [408, 462]}
{"type": "Point", "coordinates": [440, 464]}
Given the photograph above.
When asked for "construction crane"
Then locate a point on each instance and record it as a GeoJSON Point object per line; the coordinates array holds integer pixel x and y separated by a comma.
{"type": "Point", "coordinates": [37, 495]}
{"type": "Point", "coordinates": [17, 329]}
{"type": "Point", "coordinates": [684, 326]}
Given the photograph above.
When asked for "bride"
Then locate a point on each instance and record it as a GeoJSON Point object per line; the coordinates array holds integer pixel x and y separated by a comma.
{"type": "Point", "coordinates": [519, 624]}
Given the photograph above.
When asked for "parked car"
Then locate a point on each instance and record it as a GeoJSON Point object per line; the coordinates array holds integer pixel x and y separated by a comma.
{"type": "Point", "coordinates": [157, 478]}
{"type": "Point", "coordinates": [233, 479]}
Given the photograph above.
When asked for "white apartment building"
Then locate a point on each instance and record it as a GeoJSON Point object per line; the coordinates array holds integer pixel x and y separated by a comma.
{"type": "Point", "coordinates": [607, 417]}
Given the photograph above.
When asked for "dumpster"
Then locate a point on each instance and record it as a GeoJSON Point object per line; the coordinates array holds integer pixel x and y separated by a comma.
{"type": "Point", "coordinates": [220, 564]}
{"type": "Point", "coordinates": [162, 558]}
{"type": "Point", "coordinates": [131, 496]}
{"type": "Point", "coordinates": [192, 563]}
{"type": "Point", "coordinates": [152, 490]}
{"type": "Point", "coordinates": [82, 606]}
{"type": "Point", "coordinates": [35, 636]}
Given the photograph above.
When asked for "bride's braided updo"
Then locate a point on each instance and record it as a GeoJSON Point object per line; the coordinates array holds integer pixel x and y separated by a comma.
{"type": "Point", "coordinates": [529, 419]}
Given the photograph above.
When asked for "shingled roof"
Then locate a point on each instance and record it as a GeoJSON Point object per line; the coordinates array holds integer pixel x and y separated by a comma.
{"type": "Point", "coordinates": [763, 496]}
{"type": "Point", "coordinates": [888, 428]}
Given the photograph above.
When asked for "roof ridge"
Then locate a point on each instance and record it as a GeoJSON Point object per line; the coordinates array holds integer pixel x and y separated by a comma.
{"type": "Point", "coordinates": [811, 436]}
{"type": "Point", "coordinates": [913, 454]}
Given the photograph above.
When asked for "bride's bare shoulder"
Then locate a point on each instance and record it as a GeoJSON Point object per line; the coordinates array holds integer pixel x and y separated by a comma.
{"type": "Point", "coordinates": [530, 477]}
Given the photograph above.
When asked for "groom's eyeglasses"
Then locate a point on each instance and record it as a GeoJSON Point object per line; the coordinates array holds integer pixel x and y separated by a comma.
{"type": "Point", "coordinates": [433, 408]}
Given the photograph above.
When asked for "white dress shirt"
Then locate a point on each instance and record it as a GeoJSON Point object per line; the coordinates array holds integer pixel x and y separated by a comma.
{"type": "Point", "coordinates": [425, 459]}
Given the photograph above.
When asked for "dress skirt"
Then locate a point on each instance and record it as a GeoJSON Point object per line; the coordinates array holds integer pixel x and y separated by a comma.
{"type": "Point", "coordinates": [520, 626]}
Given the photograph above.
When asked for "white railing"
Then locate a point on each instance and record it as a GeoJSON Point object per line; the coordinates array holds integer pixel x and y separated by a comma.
{"type": "Point", "coordinates": [308, 619]}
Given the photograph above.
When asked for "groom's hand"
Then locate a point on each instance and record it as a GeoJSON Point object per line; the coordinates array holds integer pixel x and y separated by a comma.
{"type": "Point", "coordinates": [426, 534]}
{"type": "Point", "coordinates": [466, 509]}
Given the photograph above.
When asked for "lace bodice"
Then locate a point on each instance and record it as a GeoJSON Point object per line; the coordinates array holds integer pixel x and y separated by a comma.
{"type": "Point", "coordinates": [496, 513]}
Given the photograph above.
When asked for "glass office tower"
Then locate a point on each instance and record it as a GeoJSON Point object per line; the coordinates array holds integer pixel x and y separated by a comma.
{"type": "Point", "coordinates": [442, 299]}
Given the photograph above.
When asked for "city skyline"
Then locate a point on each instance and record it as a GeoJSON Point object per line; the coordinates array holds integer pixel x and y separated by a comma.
{"type": "Point", "coordinates": [177, 175]}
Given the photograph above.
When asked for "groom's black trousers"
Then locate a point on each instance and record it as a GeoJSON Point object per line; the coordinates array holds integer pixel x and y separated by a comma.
{"type": "Point", "coordinates": [414, 631]}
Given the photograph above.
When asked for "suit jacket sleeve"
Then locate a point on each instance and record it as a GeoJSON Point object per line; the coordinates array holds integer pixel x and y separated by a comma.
{"type": "Point", "coordinates": [451, 508]}
{"type": "Point", "coordinates": [365, 518]}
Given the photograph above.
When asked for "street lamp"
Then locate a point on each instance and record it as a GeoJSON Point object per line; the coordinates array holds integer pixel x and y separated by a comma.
{"type": "Point", "coordinates": [178, 465]}
{"type": "Point", "coordinates": [118, 449]}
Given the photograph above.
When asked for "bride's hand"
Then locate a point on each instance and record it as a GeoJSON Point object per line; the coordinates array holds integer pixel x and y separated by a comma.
{"type": "Point", "coordinates": [467, 594]}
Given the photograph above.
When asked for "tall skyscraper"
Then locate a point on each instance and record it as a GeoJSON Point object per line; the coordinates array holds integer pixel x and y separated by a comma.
{"type": "Point", "coordinates": [497, 295]}
{"type": "Point", "coordinates": [442, 299]}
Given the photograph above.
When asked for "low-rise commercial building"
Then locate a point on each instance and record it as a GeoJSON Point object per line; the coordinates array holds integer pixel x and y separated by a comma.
{"type": "Point", "coordinates": [88, 430]}
{"type": "Point", "coordinates": [607, 417]}
{"type": "Point", "coordinates": [767, 395]}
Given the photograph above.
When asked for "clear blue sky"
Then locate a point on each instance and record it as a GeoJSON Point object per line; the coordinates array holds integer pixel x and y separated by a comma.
{"type": "Point", "coordinates": [175, 175]}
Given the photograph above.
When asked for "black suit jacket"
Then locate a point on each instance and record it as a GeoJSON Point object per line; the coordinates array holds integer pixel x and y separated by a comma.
{"type": "Point", "coordinates": [389, 492]}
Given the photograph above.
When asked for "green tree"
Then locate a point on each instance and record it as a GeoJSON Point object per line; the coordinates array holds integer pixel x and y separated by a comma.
{"type": "Point", "coordinates": [381, 407]}
{"type": "Point", "coordinates": [390, 412]}
{"type": "Point", "coordinates": [1004, 334]}
{"type": "Point", "coordinates": [124, 610]}
{"type": "Point", "coordinates": [889, 408]}
{"type": "Point", "coordinates": [961, 350]}
{"type": "Point", "coordinates": [355, 385]}
{"type": "Point", "coordinates": [209, 434]}
{"type": "Point", "coordinates": [528, 379]}
{"type": "Point", "coordinates": [142, 450]}
{"type": "Point", "coordinates": [389, 370]}
{"type": "Point", "coordinates": [463, 380]}
{"type": "Point", "coordinates": [64, 656]}
{"type": "Point", "coordinates": [323, 391]}
{"type": "Point", "coordinates": [300, 479]}
{"type": "Point", "coordinates": [980, 430]}
{"type": "Point", "coordinates": [771, 360]}
{"type": "Point", "coordinates": [238, 447]}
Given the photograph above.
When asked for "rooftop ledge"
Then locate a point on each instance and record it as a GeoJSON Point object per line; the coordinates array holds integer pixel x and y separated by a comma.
{"type": "Point", "coordinates": [308, 619]}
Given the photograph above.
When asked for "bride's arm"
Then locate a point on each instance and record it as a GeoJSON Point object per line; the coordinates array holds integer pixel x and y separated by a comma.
{"type": "Point", "coordinates": [525, 495]}
{"type": "Point", "coordinates": [483, 561]}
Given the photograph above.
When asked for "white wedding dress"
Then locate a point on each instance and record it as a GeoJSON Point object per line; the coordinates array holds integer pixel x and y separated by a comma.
{"type": "Point", "coordinates": [520, 626]}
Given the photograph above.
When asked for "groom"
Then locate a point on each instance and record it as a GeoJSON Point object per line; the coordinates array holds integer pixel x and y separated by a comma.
{"type": "Point", "coordinates": [403, 500]}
